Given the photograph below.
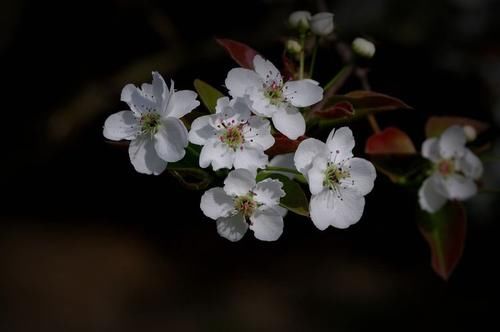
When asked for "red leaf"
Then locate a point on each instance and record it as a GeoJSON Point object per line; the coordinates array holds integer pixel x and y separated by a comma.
{"type": "Point", "coordinates": [283, 144]}
{"type": "Point", "coordinates": [241, 53]}
{"type": "Point", "coordinates": [390, 141]}
{"type": "Point", "coordinates": [445, 232]}
{"type": "Point", "coordinates": [436, 125]}
{"type": "Point", "coordinates": [339, 110]}
{"type": "Point", "coordinates": [369, 101]}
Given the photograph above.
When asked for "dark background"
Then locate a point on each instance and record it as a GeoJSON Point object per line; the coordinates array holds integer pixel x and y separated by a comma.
{"type": "Point", "coordinates": [88, 244]}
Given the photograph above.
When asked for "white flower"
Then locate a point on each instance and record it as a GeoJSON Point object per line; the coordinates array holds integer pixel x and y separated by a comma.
{"type": "Point", "coordinates": [243, 204]}
{"type": "Point", "coordinates": [455, 170]}
{"type": "Point", "coordinates": [363, 47]}
{"type": "Point", "coordinates": [322, 24]}
{"type": "Point", "coordinates": [284, 160]}
{"type": "Point", "coordinates": [337, 181]}
{"type": "Point", "coordinates": [299, 19]}
{"type": "Point", "coordinates": [270, 97]}
{"type": "Point", "coordinates": [157, 135]}
{"type": "Point", "coordinates": [232, 137]}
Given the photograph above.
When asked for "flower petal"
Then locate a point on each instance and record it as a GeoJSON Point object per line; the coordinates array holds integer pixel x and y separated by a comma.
{"type": "Point", "coordinates": [459, 187]}
{"type": "Point", "coordinates": [289, 122]}
{"type": "Point", "coordinates": [222, 103]}
{"type": "Point", "coordinates": [217, 154]}
{"type": "Point", "coordinates": [340, 142]}
{"type": "Point", "coordinates": [259, 132]}
{"type": "Point", "coordinates": [429, 199]}
{"type": "Point", "coordinates": [181, 103]}
{"type": "Point", "coordinates": [261, 104]}
{"type": "Point", "coordinates": [316, 175]}
{"type": "Point", "coordinates": [160, 91]}
{"type": "Point", "coordinates": [430, 149]}
{"type": "Point", "coordinates": [239, 182]}
{"type": "Point", "coordinates": [348, 209]}
{"type": "Point", "coordinates": [362, 175]}
{"type": "Point", "coordinates": [302, 93]}
{"type": "Point", "coordinates": [121, 125]}
{"type": "Point", "coordinates": [267, 71]}
{"type": "Point", "coordinates": [267, 224]}
{"type": "Point", "coordinates": [250, 157]}
{"type": "Point", "coordinates": [215, 203]}
{"type": "Point", "coordinates": [239, 80]}
{"type": "Point", "coordinates": [321, 209]}
{"type": "Point", "coordinates": [268, 192]}
{"type": "Point", "coordinates": [452, 142]}
{"type": "Point", "coordinates": [470, 165]}
{"type": "Point", "coordinates": [232, 228]}
{"type": "Point", "coordinates": [143, 156]}
{"type": "Point", "coordinates": [307, 150]}
{"type": "Point", "coordinates": [284, 160]}
{"type": "Point", "coordinates": [202, 130]}
{"type": "Point", "coordinates": [171, 140]}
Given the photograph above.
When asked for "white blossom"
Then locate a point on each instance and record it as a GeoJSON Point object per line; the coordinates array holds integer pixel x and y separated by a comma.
{"type": "Point", "coordinates": [270, 97]}
{"type": "Point", "coordinates": [338, 182]}
{"type": "Point", "coordinates": [152, 125]}
{"type": "Point", "coordinates": [242, 203]}
{"type": "Point", "coordinates": [322, 24]}
{"type": "Point", "coordinates": [455, 169]}
{"type": "Point", "coordinates": [232, 137]}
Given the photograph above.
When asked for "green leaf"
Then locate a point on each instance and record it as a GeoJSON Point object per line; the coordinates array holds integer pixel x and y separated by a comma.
{"type": "Point", "coordinates": [295, 199]}
{"type": "Point", "coordinates": [188, 171]}
{"type": "Point", "coordinates": [208, 94]}
{"type": "Point", "coordinates": [445, 233]}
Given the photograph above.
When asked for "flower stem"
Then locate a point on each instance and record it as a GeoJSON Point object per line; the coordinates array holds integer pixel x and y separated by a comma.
{"type": "Point", "coordinates": [314, 54]}
{"type": "Point", "coordinates": [302, 55]}
{"type": "Point", "coordinates": [362, 74]}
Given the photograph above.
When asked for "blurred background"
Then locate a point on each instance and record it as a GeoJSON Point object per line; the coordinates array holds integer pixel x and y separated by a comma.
{"type": "Point", "coordinates": [88, 244]}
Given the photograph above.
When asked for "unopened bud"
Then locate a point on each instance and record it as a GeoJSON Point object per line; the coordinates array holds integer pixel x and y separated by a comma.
{"type": "Point", "coordinates": [322, 24]}
{"type": "Point", "coordinates": [293, 46]}
{"type": "Point", "coordinates": [363, 48]}
{"type": "Point", "coordinates": [470, 133]}
{"type": "Point", "coordinates": [299, 20]}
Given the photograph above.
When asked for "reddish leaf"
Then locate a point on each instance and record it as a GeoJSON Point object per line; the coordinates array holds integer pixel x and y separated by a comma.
{"type": "Point", "coordinates": [283, 144]}
{"type": "Point", "coordinates": [289, 68]}
{"type": "Point", "coordinates": [390, 141]}
{"type": "Point", "coordinates": [436, 125]}
{"type": "Point", "coordinates": [241, 53]}
{"type": "Point", "coordinates": [339, 110]}
{"type": "Point", "coordinates": [445, 232]}
{"type": "Point", "coordinates": [368, 101]}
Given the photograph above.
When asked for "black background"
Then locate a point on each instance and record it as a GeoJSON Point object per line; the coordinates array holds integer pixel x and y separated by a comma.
{"type": "Point", "coordinates": [88, 244]}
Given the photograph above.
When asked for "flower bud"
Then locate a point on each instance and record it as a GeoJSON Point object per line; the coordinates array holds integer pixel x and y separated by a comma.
{"type": "Point", "coordinates": [299, 19]}
{"type": "Point", "coordinates": [322, 24]}
{"type": "Point", "coordinates": [293, 47]}
{"type": "Point", "coordinates": [470, 133]}
{"type": "Point", "coordinates": [363, 48]}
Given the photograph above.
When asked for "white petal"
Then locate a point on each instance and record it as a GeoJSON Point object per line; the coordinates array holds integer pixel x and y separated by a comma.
{"type": "Point", "coordinates": [261, 104]}
{"type": "Point", "coordinates": [268, 192]}
{"type": "Point", "coordinates": [459, 187]}
{"type": "Point", "coordinates": [259, 132]}
{"type": "Point", "coordinates": [316, 175]}
{"type": "Point", "coordinates": [429, 199]}
{"type": "Point", "coordinates": [202, 130]}
{"type": "Point", "coordinates": [321, 209]}
{"type": "Point", "coordinates": [289, 122]}
{"type": "Point", "coordinates": [181, 103]}
{"type": "Point", "coordinates": [143, 156]}
{"type": "Point", "coordinates": [470, 165]}
{"type": "Point", "coordinates": [222, 103]}
{"type": "Point", "coordinates": [160, 90]}
{"type": "Point", "coordinates": [349, 206]}
{"type": "Point", "coordinates": [340, 142]}
{"type": "Point", "coordinates": [267, 224]}
{"type": "Point", "coordinates": [239, 182]}
{"type": "Point", "coordinates": [452, 142]}
{"type": "Point", "coordinates": [307, 150]}
{"type": "Point", "coordinates": [126, 96]}
{"type": "Point", "coordinates": [232, 228]}
{"type": "Point", "coordinates": [239, 80]}
{"type": "Point", "coordinates": [215, 203]}
{"type": "Point", "coordinates": [121, 125]}
{"type": "Point", "coordinates": [217, 154]}
{"type": "Point", "coordinates": [302, 93]}
{"type": "Point", "coordinates": [171, 140]}
{"type": "Point", "coordinates": [430, 149]}
{"type": "Point", "coordinates": [250, 157]}
{"type": "Point", "coordinates": [267, 71]}
{"type": "Point", "coordinates": [362, 175]}
{"type": "Point", "coordinates": [284, 160]}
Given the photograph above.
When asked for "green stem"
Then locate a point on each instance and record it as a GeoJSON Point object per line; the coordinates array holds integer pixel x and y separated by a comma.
{"type": "Point", "coordinates": [302, 55]}
{"type": "Point", "coordinates": [314, 54]}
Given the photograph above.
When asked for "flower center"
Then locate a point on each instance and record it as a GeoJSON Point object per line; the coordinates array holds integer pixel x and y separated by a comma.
{"type": "Point", "coordinates": [274, 93]}
{"type": "Point", "coordinates": [334, 175]}
{"type": "Point", "coordinates": [232, 137]}
{"type": "Point", "coordinates": [245, 205]}
{"type": "Point", "coordinates": [446, 167]}
{"type": "Point", "coordinates": [150, 123]}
